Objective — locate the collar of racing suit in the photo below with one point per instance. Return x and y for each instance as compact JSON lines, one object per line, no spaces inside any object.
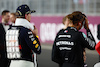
{"x":24,"y":22}
{"x":72,"y":28}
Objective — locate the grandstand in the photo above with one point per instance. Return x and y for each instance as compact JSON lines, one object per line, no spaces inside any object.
{"x":54,"y":7}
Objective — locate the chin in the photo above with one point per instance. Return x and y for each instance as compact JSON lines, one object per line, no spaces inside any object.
{"x":29,"y":20}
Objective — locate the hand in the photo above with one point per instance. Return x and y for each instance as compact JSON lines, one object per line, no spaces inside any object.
{"x":35,"y":31}
{"x":86,"y":26}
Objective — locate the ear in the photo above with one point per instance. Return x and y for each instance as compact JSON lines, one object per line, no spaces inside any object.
{"x":80,"y":23}
{"x":25,"y":16}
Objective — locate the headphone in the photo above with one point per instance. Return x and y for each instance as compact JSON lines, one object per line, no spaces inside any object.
{"x":80,"y":24}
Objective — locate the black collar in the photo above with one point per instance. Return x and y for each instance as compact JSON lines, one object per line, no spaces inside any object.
{"x":73,"y":28}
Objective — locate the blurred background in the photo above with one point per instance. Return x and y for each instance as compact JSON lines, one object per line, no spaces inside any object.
{"x":54,"y":7}
{"x":48,"y":20}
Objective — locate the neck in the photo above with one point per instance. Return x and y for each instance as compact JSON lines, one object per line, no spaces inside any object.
{"x":23,"y":22}
{"x":3,"y":21}
{"x":65,"y":26}
{"x":13,"y":22}
{"x":71,"y":25}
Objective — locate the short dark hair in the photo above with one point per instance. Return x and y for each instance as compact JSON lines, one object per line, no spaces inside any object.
{"x":77,"y":16}
{"x":4,"y":12}
{"x":77,"y":12}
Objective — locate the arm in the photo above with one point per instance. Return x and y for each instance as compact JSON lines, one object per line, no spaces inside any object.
{"x":55,"y":52}
{"x":32,"y":41}
{"x":35,"y":31}
{"x":88,"y":41}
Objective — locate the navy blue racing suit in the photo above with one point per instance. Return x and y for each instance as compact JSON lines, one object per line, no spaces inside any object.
{"x":22,"y":44}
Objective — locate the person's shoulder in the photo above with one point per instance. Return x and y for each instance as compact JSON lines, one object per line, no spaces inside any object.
{"x":77,"y":33}
{"x":80,"y":33}
{"x":61,"y":30}
{"x":0,"y":24}
{"x":24,"y":30}
{"x":98,"y":25}
{"x":21,"y":28}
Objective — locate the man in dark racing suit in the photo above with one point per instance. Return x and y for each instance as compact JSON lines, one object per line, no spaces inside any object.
{"x":69,"y":43}
{"x":22,"y":44}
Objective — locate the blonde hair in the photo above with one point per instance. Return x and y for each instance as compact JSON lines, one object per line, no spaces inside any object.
{"x":64,"y":18}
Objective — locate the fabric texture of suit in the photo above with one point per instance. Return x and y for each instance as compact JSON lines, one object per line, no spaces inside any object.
{"x":3,"y":58}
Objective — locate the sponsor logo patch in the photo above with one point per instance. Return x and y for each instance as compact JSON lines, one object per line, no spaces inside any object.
{"x":37,"y":45}
{"x":65,"y":31}
{"x":34,"y":42}
{"x":68,"y":36}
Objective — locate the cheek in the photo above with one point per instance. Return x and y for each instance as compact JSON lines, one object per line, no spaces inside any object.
{"x":66,"y":22}
{"x":8,"y":17}
{"x":30,"y":16}
{"x":12,"y":18}
{"x":4,"y":17}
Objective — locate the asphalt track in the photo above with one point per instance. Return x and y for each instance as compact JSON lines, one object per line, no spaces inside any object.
{"x":44,"y":59}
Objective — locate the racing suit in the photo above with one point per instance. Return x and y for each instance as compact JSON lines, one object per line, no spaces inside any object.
{"x":21,"y":46}
{"x":68,"y":47}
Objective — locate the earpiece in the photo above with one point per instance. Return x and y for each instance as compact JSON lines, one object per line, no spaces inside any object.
{"x":80,"y":24}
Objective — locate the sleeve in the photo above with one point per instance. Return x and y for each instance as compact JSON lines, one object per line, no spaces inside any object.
{"x":98,"y":31}
{"x":32,"y":41}
{"x":97,"y":47}
{"x":88,"y":42}
{"x":55,"y":52}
